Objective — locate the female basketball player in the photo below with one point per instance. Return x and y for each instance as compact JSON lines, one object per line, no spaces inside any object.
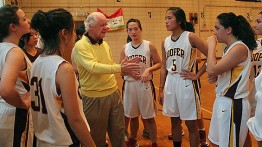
{"x":231,"y":108}
{"x":254,"y":123}
{"x":256,"y":62}
{"x":28,"y":42}
{"x":191,"y":75}
{"x":137,"y":93}
{"x":58,"y":116}
{"x":179,"y":96}
{"x":14,"y":92}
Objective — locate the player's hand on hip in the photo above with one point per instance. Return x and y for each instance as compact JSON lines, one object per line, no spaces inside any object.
{"x":187,"y":75}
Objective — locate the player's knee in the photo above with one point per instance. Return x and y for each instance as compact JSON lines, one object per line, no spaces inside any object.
{"x":191,"y":125}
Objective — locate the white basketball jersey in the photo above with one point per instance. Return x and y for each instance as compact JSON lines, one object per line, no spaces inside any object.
{"x":142,"y":51}
{"x":49,"y":119}
{"x":256,"y":60}
{"x":234,"y":83}
{"x":179,"y":54}
{"x":21,"y":86}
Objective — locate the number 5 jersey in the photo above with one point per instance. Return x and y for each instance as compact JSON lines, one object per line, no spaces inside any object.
{"x":180,"y":55}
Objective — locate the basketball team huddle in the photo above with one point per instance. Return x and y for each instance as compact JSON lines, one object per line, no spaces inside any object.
{"x":46,"y":101}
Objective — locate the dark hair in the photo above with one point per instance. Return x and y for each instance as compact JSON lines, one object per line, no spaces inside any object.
{"x":80,"y":31}
{"x":181,"y":19}
{"x":134,"y":20}
{"x":8,"y":15}
{"x":129,"y":39}
{"x":49,"y":24}
{"x":22,"y":40}
{"x":240,"y":28}
{"x":190,"y":27}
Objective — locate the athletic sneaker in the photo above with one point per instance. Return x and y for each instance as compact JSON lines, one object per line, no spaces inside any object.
{"x":127,"y":139}
{"x":154,"y":145}
{"x":146,"y":134}
{"x":206,"y":144}
{"x":127,"y":143}
{"x":170,"y":135}
{"x":202,"y":137}
{"x":126,"y":136}
{"x":133,"y":142}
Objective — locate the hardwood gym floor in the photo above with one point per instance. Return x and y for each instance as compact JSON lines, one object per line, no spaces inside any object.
{"x":163,"y":122}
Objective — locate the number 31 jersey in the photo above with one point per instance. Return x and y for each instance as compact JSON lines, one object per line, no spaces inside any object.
{"x":49,"y":119}
{"x":180,"y":55}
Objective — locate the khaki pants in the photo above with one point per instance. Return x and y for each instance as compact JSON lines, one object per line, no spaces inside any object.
{"x":105,"y":114}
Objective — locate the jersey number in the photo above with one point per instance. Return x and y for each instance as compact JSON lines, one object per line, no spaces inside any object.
{"x":39,"y":94}
{"x":174,"y":65}
{"x":257,"y":69}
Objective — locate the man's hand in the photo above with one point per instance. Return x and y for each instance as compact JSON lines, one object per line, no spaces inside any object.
{"x":133,"y":60}
{"x":131,"y":67}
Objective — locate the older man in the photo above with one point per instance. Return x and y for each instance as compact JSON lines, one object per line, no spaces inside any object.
{"x":101,"y":99}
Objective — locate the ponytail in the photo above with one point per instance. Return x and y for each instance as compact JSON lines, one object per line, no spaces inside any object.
{"x":241,"y":29}
{"x":49,"y":24}
{"x":189,"y":27}
{"x":128,"y":39}
{"x":181,"y":19}
{"x":246,"y":33}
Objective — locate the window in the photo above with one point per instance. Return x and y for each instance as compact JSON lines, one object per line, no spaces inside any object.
{"x":1,"y":3}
